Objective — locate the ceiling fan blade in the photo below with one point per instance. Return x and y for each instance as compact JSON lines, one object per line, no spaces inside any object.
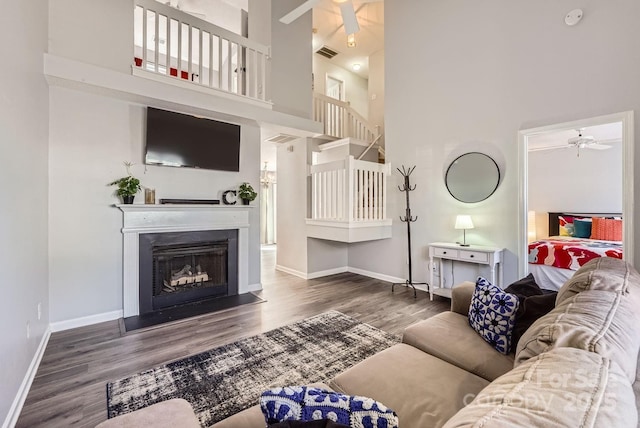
{"x":597,"y":147}
{"x":542,"y":149}
{"x":298,"y":11}
{"x":349,"y":18}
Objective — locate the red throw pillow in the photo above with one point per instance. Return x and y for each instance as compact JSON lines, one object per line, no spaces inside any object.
{"x":606,"y":229}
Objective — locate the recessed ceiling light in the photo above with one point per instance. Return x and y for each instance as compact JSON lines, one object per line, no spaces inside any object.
{"x":356,"y":67}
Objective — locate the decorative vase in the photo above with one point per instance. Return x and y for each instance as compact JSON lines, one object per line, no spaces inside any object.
{"x":245,"y":201}
{"x":128,"y":199}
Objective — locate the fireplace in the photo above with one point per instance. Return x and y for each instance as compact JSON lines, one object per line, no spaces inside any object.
{"x":156,"y":220}
{"x":184,"y":267}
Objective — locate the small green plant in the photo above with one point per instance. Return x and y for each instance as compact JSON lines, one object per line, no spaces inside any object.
{"x":127,"y":186}
{"x":246,"y":192}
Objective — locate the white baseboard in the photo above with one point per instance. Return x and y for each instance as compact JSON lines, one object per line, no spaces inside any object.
{"x":328,"y":272}
{"x":84,"y":321}
{"x":383,"y":277}
{"x":25,"y":386}
{"x":374,"y":275}
{"x":291,"y":271}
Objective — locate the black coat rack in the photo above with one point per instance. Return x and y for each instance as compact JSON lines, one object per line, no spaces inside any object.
{"x":408,"y":218}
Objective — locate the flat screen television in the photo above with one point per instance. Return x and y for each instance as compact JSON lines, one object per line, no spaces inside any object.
{"x":181,"y":140}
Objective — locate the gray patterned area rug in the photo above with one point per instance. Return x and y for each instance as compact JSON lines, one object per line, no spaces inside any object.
{"x":223,"y":381}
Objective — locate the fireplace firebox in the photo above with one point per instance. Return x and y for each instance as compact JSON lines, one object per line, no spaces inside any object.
{"x":184,"y":267}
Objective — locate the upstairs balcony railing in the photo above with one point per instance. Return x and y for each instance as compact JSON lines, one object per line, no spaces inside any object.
{"x":349,"y":190}
{"x":341,"y":120}
{"x":172,"y":43}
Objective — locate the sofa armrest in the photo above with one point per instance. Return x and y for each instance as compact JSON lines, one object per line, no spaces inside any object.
{"x":461,"y":297}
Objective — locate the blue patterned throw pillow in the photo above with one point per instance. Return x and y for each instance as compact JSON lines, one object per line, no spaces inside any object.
{"x":302,"y":403}
{"x":492,"y":314}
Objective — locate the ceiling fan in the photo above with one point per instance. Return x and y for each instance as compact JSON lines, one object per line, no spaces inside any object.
{"x":578,"y":142}
{"x":347,"y":10}
{"x":586,"y":142}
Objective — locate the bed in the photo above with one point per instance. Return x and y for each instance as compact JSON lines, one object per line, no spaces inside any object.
{"x":574,"y":239}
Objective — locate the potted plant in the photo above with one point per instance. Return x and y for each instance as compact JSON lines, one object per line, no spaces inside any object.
{"x":246,"y":193}
{"x":127,"y":186}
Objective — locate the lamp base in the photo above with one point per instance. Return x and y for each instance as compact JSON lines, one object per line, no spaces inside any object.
{"x":463,"y":245}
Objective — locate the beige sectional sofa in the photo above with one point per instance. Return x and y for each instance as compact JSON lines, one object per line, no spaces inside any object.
{"x":574,"y":367}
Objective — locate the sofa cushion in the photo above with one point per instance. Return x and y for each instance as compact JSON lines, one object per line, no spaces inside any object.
{"x":461,"y":297}
{"x":492,"y":314}
{"x":564,"y":387}
{"x":602,"y":319}
{"x":602,"y":273}
{"x":449,"y":337}
{"x":534,"y":303}
{"x":524,"y":287}
{"x":424,"y":390}
{"x":165,"y":414}
{"x":302,"y":403}
{"x":530,"y":310}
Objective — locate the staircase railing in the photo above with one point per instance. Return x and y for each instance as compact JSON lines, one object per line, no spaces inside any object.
{"x":349,"y":190}
{"x":173,"y":43}
{"x":341,"y":120}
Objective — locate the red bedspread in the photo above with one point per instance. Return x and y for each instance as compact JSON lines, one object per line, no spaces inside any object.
{"x":571,"y":253}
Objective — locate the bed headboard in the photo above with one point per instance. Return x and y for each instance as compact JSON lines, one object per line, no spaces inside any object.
{"x":554,"y":226}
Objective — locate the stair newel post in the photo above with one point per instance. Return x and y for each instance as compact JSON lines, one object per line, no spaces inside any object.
{"x":408,"y":218}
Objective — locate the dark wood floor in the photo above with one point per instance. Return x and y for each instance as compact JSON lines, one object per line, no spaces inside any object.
{"x":69,"y":389}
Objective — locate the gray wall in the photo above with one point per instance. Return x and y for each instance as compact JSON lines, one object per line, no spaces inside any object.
{"x":560,"y":181}
{"x":291,"y":60}
{"x":24,"y":108}
{"x":467,"y":76}
{"x":98,"y":32}
{"x":292,"y":207}
{"x":376,"y":89}
{"x":91,"y":136}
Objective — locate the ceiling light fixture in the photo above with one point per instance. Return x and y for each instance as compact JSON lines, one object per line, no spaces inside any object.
{"x":356,"y":67}
{"x":351,"y":41}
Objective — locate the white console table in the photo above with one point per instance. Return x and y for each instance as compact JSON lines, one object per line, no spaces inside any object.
{"x":472,"y":254}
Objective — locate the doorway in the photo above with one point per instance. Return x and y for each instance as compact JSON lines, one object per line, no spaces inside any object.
{"x":570,"y":131}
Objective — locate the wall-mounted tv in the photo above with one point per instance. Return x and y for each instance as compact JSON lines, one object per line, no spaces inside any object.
{"x":175,"y":139}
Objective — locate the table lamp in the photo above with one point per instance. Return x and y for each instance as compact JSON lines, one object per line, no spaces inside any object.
{"x":464,"y":222}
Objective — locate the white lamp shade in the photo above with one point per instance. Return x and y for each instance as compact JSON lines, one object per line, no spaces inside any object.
{"x":464,"y":222}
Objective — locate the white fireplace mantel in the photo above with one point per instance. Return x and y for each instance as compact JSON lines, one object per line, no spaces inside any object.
{"x":142,"y":218}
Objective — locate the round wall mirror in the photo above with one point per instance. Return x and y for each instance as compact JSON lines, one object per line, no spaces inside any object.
{"x":472,"y":177}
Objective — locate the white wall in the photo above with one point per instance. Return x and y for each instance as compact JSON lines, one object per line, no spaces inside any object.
{"x":23,"y":185}
{"x":260,"y":31}
{"x":376,"y":89}
{"x":291,"y":60}
{"x":484,"y":71}
{"x":560,"y":181}
{"x":292,"y":206}
{"x":98,"y":32}
{"x":326,"y":256}
{"x":90,"y":137}
{"x":355,"y":87}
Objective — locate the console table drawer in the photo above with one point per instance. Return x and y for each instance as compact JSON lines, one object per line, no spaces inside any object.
{"x":445,"y":252}
{"x":474,"y":256}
